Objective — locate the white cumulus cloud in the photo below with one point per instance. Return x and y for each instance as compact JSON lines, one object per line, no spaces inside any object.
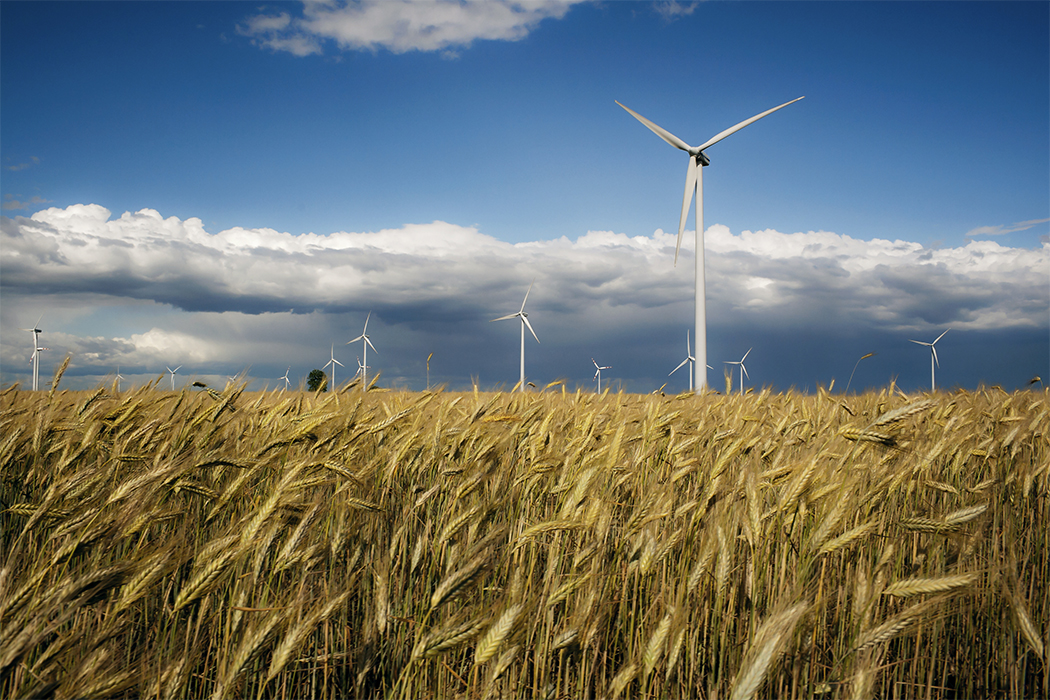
{"x":401,"y":25}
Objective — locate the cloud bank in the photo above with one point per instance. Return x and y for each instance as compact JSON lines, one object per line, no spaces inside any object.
{"x":421,"y":273}
{"x":400,"y":26}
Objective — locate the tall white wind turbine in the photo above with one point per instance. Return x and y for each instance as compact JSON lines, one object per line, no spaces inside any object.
{"x":694,"y":180}
{"x":933,"y":359}
{"x":598,"y":374}
{"x":743,"y":370}
{"x":365,"y":344}
{"x":524,"y":322}
{"x":173,"y":371}
{"x":118,"y":379}
{"x":333,"y":362}
{"x":287,"y":381}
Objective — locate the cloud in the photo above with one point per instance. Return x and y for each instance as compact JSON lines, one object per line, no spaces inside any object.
{"x":13,"y":204}
{"x":33,"y":160}
{"x":401,"y":26}
{"x":1003,"y":229}
{"x":423,"y":274}
{"x":671,"y":10}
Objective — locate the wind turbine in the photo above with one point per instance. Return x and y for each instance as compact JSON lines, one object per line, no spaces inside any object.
{"x":743,"y":370}
{"x":333,"y":362}
{"x":933,"y":359}
{"x":524,"y":322}
{"x":428,"y":370}
{"x":361,"y":368}
{"x":287,"y":381}
{"x":365,"y":344}
{"x":118,"y":379}
{"x":35,"y":358}
{"x":688,"y":359}
{"x":598,"y":374}
{"x":173,"y":371}
{"x":694,"y":179}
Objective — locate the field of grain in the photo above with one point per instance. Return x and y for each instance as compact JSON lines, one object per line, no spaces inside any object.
{"x":468,"y":545}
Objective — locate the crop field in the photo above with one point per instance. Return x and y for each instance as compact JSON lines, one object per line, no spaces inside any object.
{"x":542,"y":545}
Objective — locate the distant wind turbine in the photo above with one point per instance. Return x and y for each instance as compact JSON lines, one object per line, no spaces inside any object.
{"x":287,"y":381}
{"x":694,"y":180}
{"x":689,"y":359}
{"x":428,"y":370}
{"x":598,"y":374}
{"x":35,"y":358}
{"x":333,"y":362}
{"x":933,"y":359}
{"x":118,"y":379}
{"x":524,"y":322}
{"x":365,"y":344}
{"x":743,"y":370}
{"x":173,"y":371}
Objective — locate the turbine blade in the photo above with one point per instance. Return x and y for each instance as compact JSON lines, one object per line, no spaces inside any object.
{"x":596,"y":373}
{"x":918,"y":342}
{"x":526,"y":298}
{"x":370,"y":344}
{"x":938,"y":362}
{"x":177,"y":368}
{"x":688,"y":352}
{"x":338,"y":362}
{"x":366,"y":323}
{"x":504,"y":318}
{"x":687,"y":199}
{"x":733,"y":129}
{"x":939,"y":337}
{"x":678,"y":367}
{"x":746,"y":354}
{"x":745,"y":370}
{"x":525,"y":320}
{"x":659,"y":131}
{"x":355,"y":339}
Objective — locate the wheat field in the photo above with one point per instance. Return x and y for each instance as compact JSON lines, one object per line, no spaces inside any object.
{"x":547,"y":545}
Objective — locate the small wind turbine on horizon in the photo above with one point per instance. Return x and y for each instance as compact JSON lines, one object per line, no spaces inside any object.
{"x":743,"y":370}
{"x":933,"y":359}
{"x":365,"y":344}
{"x":35,"y":357}
{"x":361,"y":368}
{"x":524,"y":323}
{"x":118,"y":379}
{"x":689,"y":359}
{"x":333,"y":362}
{"x":598,"y":374}
{"x":694,"y":180}
{"x":287,"y":381}
{"x":173,"y":371}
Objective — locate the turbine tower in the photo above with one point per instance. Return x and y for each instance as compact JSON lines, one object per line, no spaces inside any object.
{"x":743,"y":370}
{"x":694,"y":180}
{"x":933,"y":359}
{"x":524,"y":322}
{"x":365,"y":344}
{"x":598,"y":374}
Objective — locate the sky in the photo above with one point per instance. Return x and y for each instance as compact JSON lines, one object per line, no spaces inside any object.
{"x":232,"y":188}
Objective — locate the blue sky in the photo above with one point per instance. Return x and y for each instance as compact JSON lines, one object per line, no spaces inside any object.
{"x":428,"y":161}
